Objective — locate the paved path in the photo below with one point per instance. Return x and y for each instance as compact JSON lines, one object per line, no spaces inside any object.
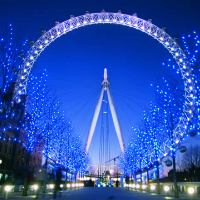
{"x":100,"y":194}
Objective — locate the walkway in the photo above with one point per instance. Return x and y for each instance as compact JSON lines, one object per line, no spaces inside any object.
{"x":100,"y":194}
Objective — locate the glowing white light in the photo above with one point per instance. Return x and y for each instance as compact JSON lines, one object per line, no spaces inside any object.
{"x":155,"y":34}
{"x":31,"y":58}
{"x":177,"y":54}
{"x":166,"y":188}
{"x":190,"y":111}
{"x":51,"y":186}
{"x":114,"y":20}
{"x":78,"y":24}
{"x":68,"y":185}
{"x":35,"y":187}
{"x":142,"y":27}
{"x":19,"y":91}
{"x":52,"y":37}
{"x":35,"y":52}
{"x":22,"y":77}
{"x":167,"y":43}
{"x":172,"y":49}
{"x":191,"y":88}
{"x":149,"y":30}
{"x":71,"y":26}
{"x":40,"y":46}
{"x":129,"y":22}
{"x":165,"y":154}
{"x":121,"y":20}
{"x":92,"y":21}
{"x":137,"y":186}
{"x":191,"y":103}
{"x":180,"y":60}
{"x":7,"y":188}
{"x":99,"y":20}
{"x":85,"y":22}
{"x":177,"y":141}
{"x":20,"y":85}
{"x":61,"y":185}
{"x":46,"y":41}
{"x":25,"y":70}
{"x":27,"y":64}
{"x":187,"y":74}
{"x":73,"y":185}
{"x":144,"y":187}
{"x":191,"y":95}
{"x":184,"y":67}
{"x":19,"y":100}
{"x":191,"y":190}
{"x":161,"y":38}
{"x":107,"y":20}
{"x":58,"y":32}
{"x":189,"y":81}
{"x":153,"y":187}
{"x":77,"y":184}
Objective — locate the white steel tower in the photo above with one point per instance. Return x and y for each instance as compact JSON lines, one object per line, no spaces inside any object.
{"x":105,"y":88}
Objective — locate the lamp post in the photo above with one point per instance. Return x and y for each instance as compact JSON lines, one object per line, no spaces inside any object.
{"x":191,"y":192}
{"x":7,"y":189}
{"x":166,"y":189}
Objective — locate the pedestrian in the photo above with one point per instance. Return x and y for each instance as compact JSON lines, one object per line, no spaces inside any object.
{"x":57,"y":183}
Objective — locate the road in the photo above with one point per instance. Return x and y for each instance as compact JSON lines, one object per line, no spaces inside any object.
{"x":99,"y":194}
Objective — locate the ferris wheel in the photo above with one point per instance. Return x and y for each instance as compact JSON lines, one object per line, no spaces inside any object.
{"x":118,"y":18}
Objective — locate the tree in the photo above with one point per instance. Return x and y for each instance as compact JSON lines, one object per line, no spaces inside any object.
{"x":153,"y":128}
{"x":11,"y":55}
{"x":191,"y":44}
{"x":170,"y":101}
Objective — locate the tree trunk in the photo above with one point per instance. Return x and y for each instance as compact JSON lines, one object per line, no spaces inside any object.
{"x":158,"y":177}
{"x":26,"y":174}
{"x":148,"y":186}
{"x":174,"y":176}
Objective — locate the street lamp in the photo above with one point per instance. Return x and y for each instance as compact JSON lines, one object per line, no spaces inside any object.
{"x":51,"y":187}
{"x":35,"y":187}
{"x":7,"y":189}
{"x":166,"y":188}
{"x":191,"y":192}
{"x":153,"y":187}
{"x":144,"y":187}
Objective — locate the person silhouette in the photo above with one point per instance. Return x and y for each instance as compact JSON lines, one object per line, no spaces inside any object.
{"x":57,"y":182}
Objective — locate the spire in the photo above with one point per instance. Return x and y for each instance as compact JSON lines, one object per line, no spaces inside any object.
{"x":105,"y":82}
{"x":105,"y":74}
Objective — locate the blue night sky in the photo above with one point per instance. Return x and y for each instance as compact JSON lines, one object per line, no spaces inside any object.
{"x":75,"y":61}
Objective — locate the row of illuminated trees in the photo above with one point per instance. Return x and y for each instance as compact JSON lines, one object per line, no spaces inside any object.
{"x":156,"y":132}
{"x":38,"y":121}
